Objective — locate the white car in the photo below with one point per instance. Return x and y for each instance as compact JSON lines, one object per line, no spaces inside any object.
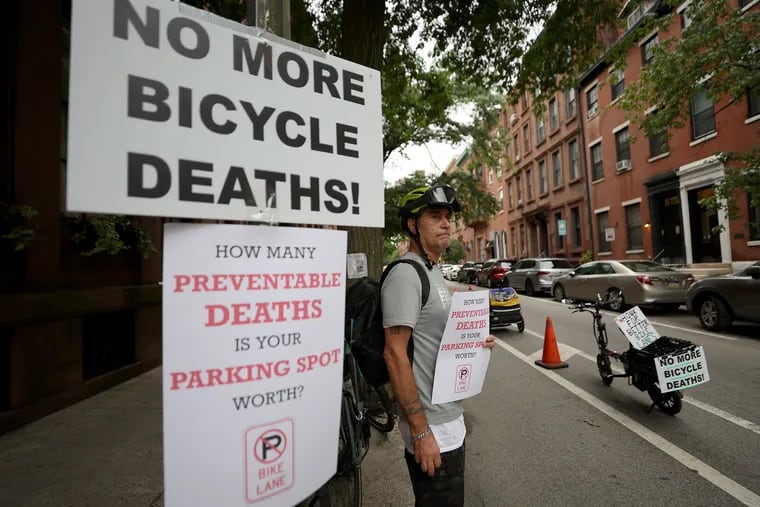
{"x":452,"y":272}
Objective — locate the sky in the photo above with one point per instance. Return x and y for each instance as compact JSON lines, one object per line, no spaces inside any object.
{"x":431,"y":157}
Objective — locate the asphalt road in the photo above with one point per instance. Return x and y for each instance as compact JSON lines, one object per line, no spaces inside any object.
{"x":561,"y":437}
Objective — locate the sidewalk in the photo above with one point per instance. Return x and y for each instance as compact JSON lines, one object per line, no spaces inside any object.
{"x":107,"y":451}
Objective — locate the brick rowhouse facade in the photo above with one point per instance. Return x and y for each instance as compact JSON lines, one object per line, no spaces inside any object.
{"x":629,"y":197}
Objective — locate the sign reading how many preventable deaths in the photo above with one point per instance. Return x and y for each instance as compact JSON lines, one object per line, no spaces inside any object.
{"x":176,"y":112}
{"x":253,"y":362}
{"x":462,"y":362}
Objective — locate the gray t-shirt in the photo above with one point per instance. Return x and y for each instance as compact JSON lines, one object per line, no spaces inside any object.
{"x":401,"y":299}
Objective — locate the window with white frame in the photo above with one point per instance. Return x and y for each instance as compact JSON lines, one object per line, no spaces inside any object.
{"x":510,"y":202}
{"x":702,"y":114}
{"x":602,"y":223}
{"x":570,"y":103}
{"x":540,"y":133}
{"x":575,"y":214}
{"x":753,"y":215}
{"x":518,"y":183}
{"x":526,"y":137}
{"x":658,"y":141}
{"x":753,"y":101}
{"x":597,"y":168}
{"x":557,"y":168}
{"x":618,"y":83}
{"x":683,"y":13}
{"x":553,"y":120}
{"x":542,"y":177}
{"x":623,"y":149}
{"x":501,"y":199}
{"x":529,"y":183}
{"x":592,"y":99}
{"x":516,"y":146}
{"x":633,"y":227}
{"x":560,"y":238}
{"x":572,"y":155}
{"x":647,"y":50}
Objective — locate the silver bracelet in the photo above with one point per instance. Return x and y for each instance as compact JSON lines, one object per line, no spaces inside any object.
{"x":422,"y":435}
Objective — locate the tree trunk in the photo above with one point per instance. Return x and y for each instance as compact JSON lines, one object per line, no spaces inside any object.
{"x":363,"y":39}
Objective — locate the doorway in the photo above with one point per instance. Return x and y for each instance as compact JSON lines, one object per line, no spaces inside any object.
{"x":705,"y":239}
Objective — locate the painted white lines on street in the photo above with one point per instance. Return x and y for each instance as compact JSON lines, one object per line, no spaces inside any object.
{"x":566,"y":351}
{"x":728,"y":485}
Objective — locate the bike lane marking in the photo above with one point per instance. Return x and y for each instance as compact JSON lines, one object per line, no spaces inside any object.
{"x":566,"y":351}
{"x":723,"y":482}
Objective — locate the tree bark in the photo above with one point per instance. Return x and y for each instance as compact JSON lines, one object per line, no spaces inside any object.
{"x":362,"y":42}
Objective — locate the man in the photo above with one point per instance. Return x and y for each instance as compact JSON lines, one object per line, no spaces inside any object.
{"x":434,"y":434}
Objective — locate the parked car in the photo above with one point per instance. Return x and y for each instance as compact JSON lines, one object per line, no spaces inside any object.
{"x":468,"y":272}
{"x":452,"y":273}
{"x":718,"y":300}
{"x":445,"y":269}
{"x":536,"y":274}
{"x":493,"y":271}
{"x":625,"y":282}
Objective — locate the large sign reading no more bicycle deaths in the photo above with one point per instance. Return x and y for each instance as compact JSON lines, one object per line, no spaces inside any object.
{"x":174,"y":111}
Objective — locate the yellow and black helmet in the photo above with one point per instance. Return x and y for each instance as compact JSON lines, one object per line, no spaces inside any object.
{"x":437,"y":196}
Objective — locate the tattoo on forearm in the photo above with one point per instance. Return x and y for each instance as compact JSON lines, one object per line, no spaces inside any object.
{"x":396,"y":330}
{"x":411,"y":407}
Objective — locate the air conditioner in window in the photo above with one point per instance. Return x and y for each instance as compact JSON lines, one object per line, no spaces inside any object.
{"x":623,"y":165}
{"x":513,"y":118}
{"x":593,"y":110}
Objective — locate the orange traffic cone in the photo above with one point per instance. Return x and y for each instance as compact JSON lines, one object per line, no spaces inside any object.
{"x":550,"y":357}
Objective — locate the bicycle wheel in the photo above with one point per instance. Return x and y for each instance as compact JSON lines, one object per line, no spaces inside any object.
{"x":379,"y":406}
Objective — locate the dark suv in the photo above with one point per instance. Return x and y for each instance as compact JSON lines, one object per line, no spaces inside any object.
{"x":718,"y":300}
{"x":469,"y":272}
{"x":493,"y":271}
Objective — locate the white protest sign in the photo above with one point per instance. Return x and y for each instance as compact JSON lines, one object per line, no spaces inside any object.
{"x":682,"y":370}
{"x":252,"y":362}
{"x":177,"y":112}
{"x":462,"y":362}
{"x":637,"y":328}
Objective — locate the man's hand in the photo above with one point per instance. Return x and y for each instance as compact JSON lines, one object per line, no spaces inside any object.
{"x":427,"y":454}
{"x":490,"y":342}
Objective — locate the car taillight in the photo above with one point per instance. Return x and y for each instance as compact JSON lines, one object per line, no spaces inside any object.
{"x":647,"y":280}
{"x":543,"y":273}
{"x":690,"y":278}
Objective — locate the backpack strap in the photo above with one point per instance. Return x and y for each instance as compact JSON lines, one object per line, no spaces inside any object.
{"x":425,"y":294}
{"x":420,"y":271}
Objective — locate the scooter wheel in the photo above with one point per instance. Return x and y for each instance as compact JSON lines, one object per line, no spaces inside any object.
{"x":670,"y":403}
{"x":604,"y":367}
{"x":521,"y":326}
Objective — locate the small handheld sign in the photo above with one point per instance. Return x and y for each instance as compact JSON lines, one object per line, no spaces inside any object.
{"x":637,"y":328}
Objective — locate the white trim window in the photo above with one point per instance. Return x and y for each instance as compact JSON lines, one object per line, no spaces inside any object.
{"x":592,"y":100}
{"x":702,"y":114}
{"x":572,"y":156}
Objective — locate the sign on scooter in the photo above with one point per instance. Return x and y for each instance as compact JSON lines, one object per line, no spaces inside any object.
{"x":637,"y":328}
{"x":681,"y":370}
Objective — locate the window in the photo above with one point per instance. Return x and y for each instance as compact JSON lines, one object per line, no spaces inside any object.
{"x":501,"y":199}
{"x":557,"y":168}
{"x":683,"y":12}
{"x":526,"y":137}
{"x":572,"y":155}
{"x":592,"y":99}
{"x":633,"y":227}
{"x":553,"y":123}
{"x":542,"y":187}
{"x":523,"y":246}
{"x":514,"y":241}
{"x":753,"y":213}
{"x":510,"y":203}
{"x":570,"y":103}
{"x":623,"y":149}
{"x":529,"y":183}
{"x":753,"y":101}
{"x":618,"y":83}
{"x":658,"y":142}
{"x":516,"y":145}
{"x":744,"y":3}
{"x":575,"y":214}
{"x":490,"y":176}
{"x":647,"y":50}
{"x":499,"y":170}
{"x":560,"y":239}
{"x":702,"y":115}
{"x":518,"y":182}
{"x":597,"y":169}
{"x":602,"y":223}
{"x":540,"y":134}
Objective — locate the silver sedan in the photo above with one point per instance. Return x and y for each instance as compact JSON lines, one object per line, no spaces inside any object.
{"x":625,"y":282}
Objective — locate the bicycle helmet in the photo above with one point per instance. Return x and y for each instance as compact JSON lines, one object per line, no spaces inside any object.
{"x":437,"y":196}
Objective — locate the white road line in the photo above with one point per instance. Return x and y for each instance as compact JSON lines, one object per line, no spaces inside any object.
{"x":566,"y":351}
{"x":728,"y":485}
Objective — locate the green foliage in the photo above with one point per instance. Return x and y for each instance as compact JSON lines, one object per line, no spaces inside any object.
{"x":390,"y":251}
{"x":109,"y":234}
{"x":455,"y":253}
{"x":587,"y":256}
{"x":14,"y":225}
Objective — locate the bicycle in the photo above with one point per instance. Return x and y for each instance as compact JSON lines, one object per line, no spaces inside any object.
{"x":638,"y":364}
{"x":379,"y":406}
{"x":345,"y":487}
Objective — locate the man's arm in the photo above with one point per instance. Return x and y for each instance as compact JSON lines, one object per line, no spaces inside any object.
{"x":426,"y":450}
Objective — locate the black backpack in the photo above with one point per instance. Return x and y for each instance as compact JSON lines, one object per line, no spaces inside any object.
{"x":364,"y":323}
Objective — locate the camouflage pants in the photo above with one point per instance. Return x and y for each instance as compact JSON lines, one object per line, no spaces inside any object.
{"x":445,"y":488}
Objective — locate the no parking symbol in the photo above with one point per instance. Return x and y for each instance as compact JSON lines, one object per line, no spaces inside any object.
{"x":268,"y":459}
{"x":462,"y":380}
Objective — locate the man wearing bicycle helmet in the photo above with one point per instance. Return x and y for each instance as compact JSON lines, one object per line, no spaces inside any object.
{"x":434,"y":434}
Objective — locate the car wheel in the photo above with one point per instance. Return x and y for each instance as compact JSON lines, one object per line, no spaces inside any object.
{"x":714,"y":314}
{"x":529,"y":289}
{"x":490,"y":283}
{"x":615,"y":300}
{"x":559,"y":293}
